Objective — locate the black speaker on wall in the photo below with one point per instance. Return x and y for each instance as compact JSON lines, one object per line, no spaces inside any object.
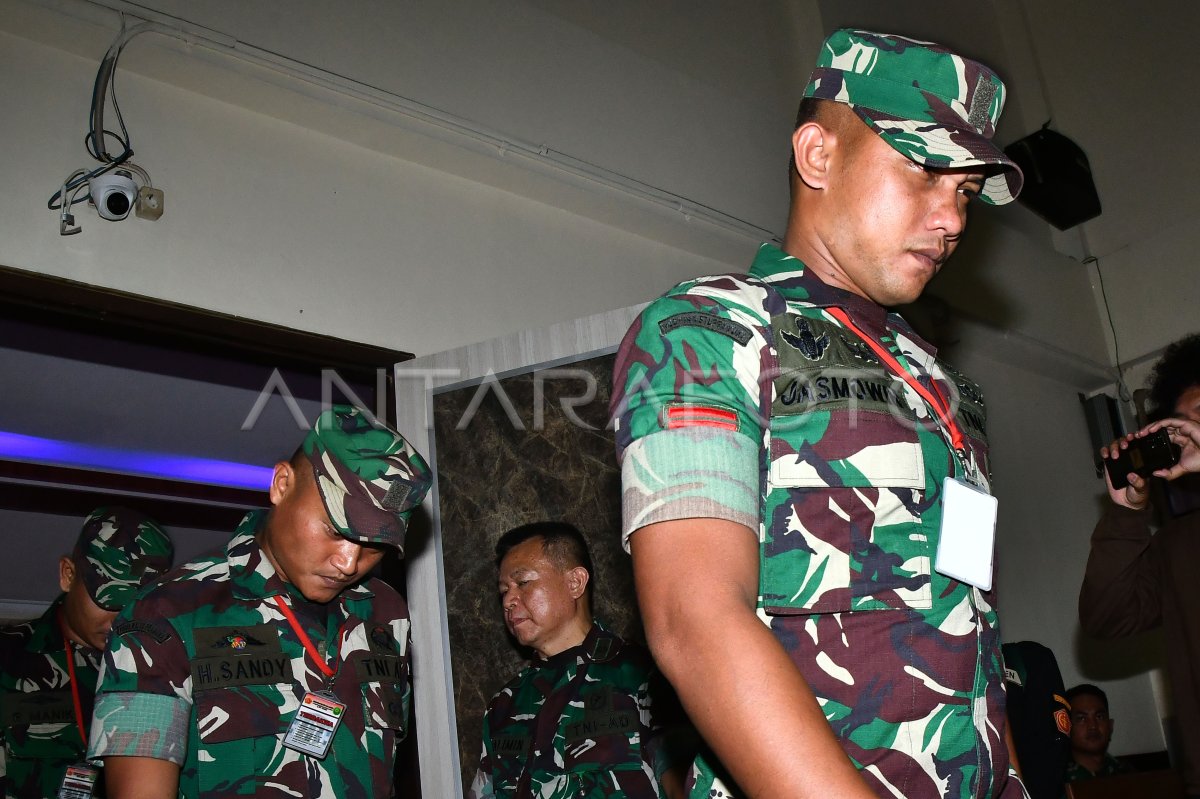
{"x":1104,"y":424}
{"x":1058,"y":178}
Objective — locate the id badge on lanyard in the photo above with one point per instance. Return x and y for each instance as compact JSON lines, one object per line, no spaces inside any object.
{"x":78,"y":782}
{"x":314,"y":725}
{"x":968,"y":533}
{"x":317,"y":720}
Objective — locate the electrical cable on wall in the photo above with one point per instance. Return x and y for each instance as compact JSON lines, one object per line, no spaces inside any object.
{"x":118,"y":185}
{"x":1122,"y":389}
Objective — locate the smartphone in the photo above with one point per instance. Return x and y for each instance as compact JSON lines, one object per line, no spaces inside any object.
{"x":1145,"y":456}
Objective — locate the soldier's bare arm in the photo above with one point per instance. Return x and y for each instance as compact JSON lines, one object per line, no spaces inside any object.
{"x":140,"y":778}
{"x":697,"y":584}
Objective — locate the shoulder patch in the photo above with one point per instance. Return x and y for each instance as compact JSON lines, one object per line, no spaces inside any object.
{"x":706,"y":321}
{"x":133,"y":626}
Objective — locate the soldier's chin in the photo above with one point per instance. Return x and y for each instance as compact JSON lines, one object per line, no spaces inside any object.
{"x":321,"y":594}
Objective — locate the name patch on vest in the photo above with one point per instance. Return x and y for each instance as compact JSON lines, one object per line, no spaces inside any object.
{"x":218,"y":672}
{"x":601,"y":717}
{"x":380,"y":668}
{"x":822,"y":368}
{"x":233,"y":656}
{"x":595,"y":725}
{"x":38,"y":707}
{"x":510,"y":745}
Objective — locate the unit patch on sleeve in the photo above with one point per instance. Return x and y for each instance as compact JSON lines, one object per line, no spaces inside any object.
{"x":134,"y":626}
{"x":678,"y":415}
{"x":707,"y":321}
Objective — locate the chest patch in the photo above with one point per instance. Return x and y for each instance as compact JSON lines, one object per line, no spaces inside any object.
{"x":379,"y":668}
{"x":510,"y":745}
{"x":601,"y":717}
{"x":233,"y":656}
{"x":821,"y":369}
{"x":38,"y":707}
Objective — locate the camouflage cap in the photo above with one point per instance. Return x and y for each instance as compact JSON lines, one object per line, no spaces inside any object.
{"x":935,"y":107}
{"x":369,"y":477}
{"x":118,"y":550}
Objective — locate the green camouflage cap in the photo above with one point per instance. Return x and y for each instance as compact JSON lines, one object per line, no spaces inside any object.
{"x":369,"y":477}
{"x":935,"y":107}
{"x":118,"y":550}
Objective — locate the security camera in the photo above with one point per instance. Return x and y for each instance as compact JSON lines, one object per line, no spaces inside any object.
{"x":113,"y":194}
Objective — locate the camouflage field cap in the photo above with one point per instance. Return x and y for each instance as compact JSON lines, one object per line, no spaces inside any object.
{"x":935,"y":107}
{"x":118,"y":550}
{"x":369,"y":477}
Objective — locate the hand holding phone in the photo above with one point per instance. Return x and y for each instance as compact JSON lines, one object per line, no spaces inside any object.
{"x":1144,"y":456}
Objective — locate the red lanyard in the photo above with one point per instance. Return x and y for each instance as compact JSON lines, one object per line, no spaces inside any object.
{"x":932,"y":398}
{"x":70,"y":653}
{"x":307,"y":642}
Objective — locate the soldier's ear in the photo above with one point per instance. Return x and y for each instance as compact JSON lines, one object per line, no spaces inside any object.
{"x":577,"y":580}
{"x":66,"y":573}
{"x":812,"y":146}
{"x":283,"y":480}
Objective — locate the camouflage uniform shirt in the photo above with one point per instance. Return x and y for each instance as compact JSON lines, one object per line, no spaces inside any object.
{"x":1110,"y":768}
{"x":40,"y":735}
{"x":205,"y":671}
{"x":741,"y":397}
{"x":575,"y":725}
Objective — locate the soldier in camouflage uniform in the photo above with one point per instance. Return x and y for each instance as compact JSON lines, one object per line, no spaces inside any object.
{"x":576,"y":723}
{"x":48,"y":666}
{"x":785,"y":445}
{"x":1091,"y":733}
{"x":276,"y":667}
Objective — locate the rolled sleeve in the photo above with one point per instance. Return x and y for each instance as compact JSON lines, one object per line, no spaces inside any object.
{"x":689,"y":473}
{"x":127,"y":724}
{"x":690,"y":403}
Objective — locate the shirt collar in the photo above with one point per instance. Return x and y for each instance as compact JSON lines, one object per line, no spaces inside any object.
{"x":597,"y":646}
{"x":789,"y":276}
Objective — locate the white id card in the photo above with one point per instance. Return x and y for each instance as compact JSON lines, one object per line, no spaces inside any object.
{"x":968,"y":535}
{"x":78,"y":781}
{"x":312,"y":729}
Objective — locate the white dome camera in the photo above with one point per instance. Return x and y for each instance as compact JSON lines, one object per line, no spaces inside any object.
{"x":113,"y":194}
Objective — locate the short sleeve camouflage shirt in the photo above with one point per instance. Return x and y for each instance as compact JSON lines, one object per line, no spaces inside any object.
{"x":204,"y":670}
{"x":576,"y":726}
{"x":742,"y":397}
{"x":38,"y":729}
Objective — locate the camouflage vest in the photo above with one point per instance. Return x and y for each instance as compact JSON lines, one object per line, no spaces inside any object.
{"x":573,"y":727}
{"x":38,"y":729}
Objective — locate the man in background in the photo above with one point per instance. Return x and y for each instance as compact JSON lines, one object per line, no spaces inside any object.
{"x":1091,"y":733}
{"x":790,"y":450}
{"x":48,"y":666}
{"x":582,"y":719}
{"x":278,"y":666}
{"x":1137,"y":579}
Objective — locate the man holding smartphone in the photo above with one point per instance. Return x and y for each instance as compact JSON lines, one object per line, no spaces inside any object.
{"x":1137,"y":580}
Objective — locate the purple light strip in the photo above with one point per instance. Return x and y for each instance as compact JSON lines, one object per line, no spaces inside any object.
{"x":146,"y":464}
